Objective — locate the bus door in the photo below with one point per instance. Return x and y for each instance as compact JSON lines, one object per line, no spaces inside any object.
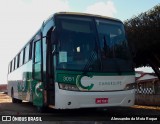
{"x":50,"y":70}
{"x":37,"y":74}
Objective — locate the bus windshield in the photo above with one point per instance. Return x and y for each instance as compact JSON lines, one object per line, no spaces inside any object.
{"x":115,"y":54}
{"x":87,"y":44}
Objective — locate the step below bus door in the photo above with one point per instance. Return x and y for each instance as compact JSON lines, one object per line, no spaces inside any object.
{"x":51,"y":94}
{"x":37,"y":83}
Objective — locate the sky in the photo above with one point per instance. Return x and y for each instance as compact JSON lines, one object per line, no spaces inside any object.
{"x":20,"y":19}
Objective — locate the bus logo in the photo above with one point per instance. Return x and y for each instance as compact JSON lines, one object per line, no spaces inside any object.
{"x":37,"y":87}
{"x":81,"y":86}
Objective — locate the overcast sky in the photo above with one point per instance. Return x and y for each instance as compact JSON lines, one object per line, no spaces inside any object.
{"x":20,"y":19}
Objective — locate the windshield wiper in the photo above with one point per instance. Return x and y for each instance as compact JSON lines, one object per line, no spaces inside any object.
{"x":90,"y":60}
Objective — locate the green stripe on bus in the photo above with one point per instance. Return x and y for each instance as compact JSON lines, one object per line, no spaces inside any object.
{"x":70,"y":77}
{"x":94,"y":73}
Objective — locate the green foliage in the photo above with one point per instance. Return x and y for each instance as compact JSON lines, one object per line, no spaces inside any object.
{"x":143,"y":32}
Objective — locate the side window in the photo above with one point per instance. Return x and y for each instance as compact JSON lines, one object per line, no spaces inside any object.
{"x":26,"y":54}
{"x":37,"y":52}
{"x":30,"y":50}
{"x":15,"y":62}
{"x":13,"y":65}
{"x":24,"y":50}
{"x":21,"y":58}
{"x":16,"y":66}
{"x":18,"y":60}
{"x":37,"y":61}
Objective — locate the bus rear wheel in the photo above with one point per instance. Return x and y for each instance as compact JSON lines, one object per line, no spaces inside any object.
{"x":14,"y":100}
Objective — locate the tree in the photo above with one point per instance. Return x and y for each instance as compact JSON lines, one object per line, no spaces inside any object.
{"x":143,"y":33}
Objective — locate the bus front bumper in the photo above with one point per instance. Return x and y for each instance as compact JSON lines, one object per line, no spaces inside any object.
{"x":76,"y":99}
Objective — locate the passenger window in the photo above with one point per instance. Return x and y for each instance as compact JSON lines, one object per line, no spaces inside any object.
{"x":37,"y":61}
{"x":15,"y":62}
{"x":13,"y":65}
{"x":37,"y":52}
{"x":26,"y":54}
{"x":21,"y":59}
{"x":18,"y":60}
{"x":30,"y":50}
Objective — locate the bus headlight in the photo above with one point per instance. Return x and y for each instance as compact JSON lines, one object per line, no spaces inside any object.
{"x":130,"y":86}
{"x":68,"y":87}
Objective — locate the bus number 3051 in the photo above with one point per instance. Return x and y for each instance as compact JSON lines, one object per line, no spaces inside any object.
{"x":68,"y":79}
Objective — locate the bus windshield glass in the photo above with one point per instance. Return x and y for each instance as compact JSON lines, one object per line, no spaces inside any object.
{"x":96,"y":45}
{"x":77,"y":46}
{"x":115,"y":54}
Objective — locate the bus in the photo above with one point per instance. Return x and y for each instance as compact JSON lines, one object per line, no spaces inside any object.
{"x":75,"y":60}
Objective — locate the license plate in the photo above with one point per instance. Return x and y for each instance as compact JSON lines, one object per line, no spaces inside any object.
{"x":101,"y":100}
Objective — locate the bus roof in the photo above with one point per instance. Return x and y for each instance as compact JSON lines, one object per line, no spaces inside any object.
{"x":86,"y":14}
{"x":69,"y":13}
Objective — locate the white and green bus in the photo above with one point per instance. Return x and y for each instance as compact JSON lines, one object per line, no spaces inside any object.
{"x":74,"y":60}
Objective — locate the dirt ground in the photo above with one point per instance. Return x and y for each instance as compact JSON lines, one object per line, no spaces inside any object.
{"x":7,"y":107}
{"x":26,"y":108}
{"x":4,"y":98}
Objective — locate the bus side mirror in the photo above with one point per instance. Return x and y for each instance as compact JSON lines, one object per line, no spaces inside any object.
{"x":54,"y":36}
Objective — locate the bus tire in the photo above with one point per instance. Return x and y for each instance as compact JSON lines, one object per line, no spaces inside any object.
{"x":12,"y":95}
{"x":14,"y":100}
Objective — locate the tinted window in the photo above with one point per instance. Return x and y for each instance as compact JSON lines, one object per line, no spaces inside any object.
{"x":37,"y":61}
{"x":18,"y":60}
{"x":11,"y":67}
{"x":37,"y":51}
{"x":12,"y":64}
{"x":15,"y":62}
{"x":78,"y":46}
{"x":26,"y":54}
{"x":21,"y":58}
{"x":115,"y":55}
{"x":30,"y":50}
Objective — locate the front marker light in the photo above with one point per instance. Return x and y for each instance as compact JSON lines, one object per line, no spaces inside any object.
{"x":68,"y":87}
{"x":130,"y":86}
